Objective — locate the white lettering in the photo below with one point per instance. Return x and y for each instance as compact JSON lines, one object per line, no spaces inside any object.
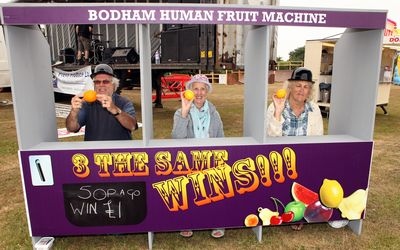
{"x":190,"y":15}
{"x":92,"y":15}
{"x":267,"y":16}
{"x":103,"y":15}
{"x":149,"y":15}
{"x":111,"y":211}
{"x":289,"y":17}
{"x":115,"y":15}
{"x":297,"y":17}
{"x":322,"y":18}
{"x":125,"y":15}
{"x":293,"y":17}
{"x":237,"y":16}
{"x":164,"y":14}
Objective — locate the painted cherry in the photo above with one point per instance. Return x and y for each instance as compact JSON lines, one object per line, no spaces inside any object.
{"x":288,"y":216}
{"x":276,"y":220}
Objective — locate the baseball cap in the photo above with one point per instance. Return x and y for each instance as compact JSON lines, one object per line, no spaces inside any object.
{"x":201,"y":79}
{"x":102,"y":69}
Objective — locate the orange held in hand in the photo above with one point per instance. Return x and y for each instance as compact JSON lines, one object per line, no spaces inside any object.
{"x":89,"y":96}
{"x":280,"y":93}
{"x":188,"y":94}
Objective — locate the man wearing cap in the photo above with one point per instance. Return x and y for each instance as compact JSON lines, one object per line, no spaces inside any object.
{"x":110,"y":117}
{"x":295,"y":114}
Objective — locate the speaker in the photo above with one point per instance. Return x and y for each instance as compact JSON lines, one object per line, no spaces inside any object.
{"x":107,"y":55}
{"x":189,"y":45}
{"x":67,"y":55}
{"x":172,"y":26}
{"x":125,"y":55}
{"x":169,"y":46}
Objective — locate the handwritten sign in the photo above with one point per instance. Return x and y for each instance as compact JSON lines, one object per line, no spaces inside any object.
{"x":100,"y":204}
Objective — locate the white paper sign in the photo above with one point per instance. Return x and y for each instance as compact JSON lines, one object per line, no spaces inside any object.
{"x":72,"y":82}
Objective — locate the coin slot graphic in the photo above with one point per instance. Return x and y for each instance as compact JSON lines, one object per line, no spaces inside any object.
{"x":39,"y":169}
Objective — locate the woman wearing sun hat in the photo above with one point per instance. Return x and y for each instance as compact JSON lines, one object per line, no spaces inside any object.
{"x":198,"y":118}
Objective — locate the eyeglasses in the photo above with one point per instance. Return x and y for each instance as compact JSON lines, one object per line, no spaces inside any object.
{"x":105,"y":82}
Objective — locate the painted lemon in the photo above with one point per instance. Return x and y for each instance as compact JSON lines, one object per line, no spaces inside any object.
{"x":89,"y":96}
{"x":188,"y":94}
{"x":280,"y":93}
{"x":331,"y":193}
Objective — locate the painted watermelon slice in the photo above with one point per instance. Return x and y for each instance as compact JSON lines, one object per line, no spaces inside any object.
{"x":303,"y":194}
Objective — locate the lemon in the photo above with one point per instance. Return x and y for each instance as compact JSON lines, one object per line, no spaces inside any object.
{"x":331,"y":193}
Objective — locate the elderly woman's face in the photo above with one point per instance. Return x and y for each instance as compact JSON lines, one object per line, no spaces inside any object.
{"x":200,"y":93}
{"x":300,"y":90}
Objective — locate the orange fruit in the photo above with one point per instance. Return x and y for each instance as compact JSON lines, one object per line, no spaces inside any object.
{"x":188,"y":94}
{"x":280,"y":93}
{"x":89,"y":96}
{"x":251,"y":220}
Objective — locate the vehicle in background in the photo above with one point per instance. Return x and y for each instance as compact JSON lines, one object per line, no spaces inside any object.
{"x":5,"y":80}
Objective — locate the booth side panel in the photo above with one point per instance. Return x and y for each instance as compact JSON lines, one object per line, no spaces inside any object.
{"x":355,"y":83}
{"x":32,"y":88}
{"x":256,"y":80}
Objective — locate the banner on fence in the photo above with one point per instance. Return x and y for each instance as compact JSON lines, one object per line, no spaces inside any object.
{"x":72,"y":82}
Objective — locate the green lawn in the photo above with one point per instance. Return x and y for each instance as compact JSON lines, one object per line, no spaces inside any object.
{"x":380,"y":228}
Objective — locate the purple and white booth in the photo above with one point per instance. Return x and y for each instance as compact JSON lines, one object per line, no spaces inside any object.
{"x":153,"y":185}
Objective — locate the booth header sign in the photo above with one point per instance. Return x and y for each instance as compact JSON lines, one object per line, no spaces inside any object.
{"x":71,"y":192}
{"x":192,"y":14}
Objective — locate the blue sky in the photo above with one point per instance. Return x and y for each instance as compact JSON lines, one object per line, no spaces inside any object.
{"x":290,"y":38}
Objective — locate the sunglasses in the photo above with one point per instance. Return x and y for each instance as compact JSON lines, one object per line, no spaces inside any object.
{"x":98,"y":82}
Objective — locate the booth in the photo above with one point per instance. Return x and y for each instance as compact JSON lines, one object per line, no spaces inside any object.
{"x":319,"y":55}
{"x":157,"y":185}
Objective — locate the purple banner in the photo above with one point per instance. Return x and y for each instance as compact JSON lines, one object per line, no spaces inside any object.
{"x":128,"y":190}
{"x":193,"y":14}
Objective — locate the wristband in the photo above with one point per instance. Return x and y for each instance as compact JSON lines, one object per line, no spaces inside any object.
{"x":118,"y":112}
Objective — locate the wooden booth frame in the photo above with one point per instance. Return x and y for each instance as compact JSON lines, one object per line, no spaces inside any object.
{"x":345,"y":152}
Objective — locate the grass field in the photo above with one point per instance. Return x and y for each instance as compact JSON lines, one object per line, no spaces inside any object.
{"x":381,"y":228}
